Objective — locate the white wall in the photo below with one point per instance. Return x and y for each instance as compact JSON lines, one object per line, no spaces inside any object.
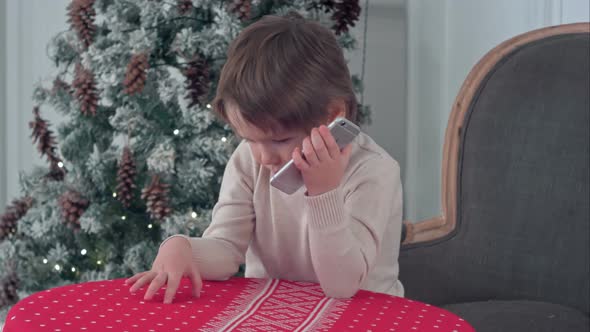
{"x":2,"y":105}
{"x":445,"y":40}
{"x":570,"y":11}
{"x":427,"y":54}
{"x":385,"y":74}
{"x":29,"y":25}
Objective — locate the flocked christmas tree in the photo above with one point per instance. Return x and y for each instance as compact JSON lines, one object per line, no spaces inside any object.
{"x":139,"y":155}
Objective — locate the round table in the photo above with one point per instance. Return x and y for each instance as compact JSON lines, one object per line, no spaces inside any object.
{"x":238,"y":304}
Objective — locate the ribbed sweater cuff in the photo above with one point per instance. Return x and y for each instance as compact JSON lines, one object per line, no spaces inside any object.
{"x":173,"y":236}
{"x":326,"y":210}
{"x":194,"y":247}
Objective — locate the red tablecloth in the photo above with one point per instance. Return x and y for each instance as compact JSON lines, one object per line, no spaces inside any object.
{"x":238,"y":304}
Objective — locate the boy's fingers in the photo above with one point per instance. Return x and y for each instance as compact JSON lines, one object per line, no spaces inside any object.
{"x":156,"y":284}
{"x":145,"y":278}
{"x":197,"y":282}
{"x":331,"y":144}
{"x":309,"y":152}
{"x":173,"y":282}
{"x":301,"y":164}
{"x":135,"y":277}
{"x":319,"y":145}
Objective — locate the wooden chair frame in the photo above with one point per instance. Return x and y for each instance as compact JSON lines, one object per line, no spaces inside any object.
{"x":439,"y":227}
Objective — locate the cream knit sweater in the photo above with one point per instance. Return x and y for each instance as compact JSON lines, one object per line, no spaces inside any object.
{"x":345,"y":239}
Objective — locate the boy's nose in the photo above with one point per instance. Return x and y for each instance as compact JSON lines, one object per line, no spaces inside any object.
{"x":268,"y":158}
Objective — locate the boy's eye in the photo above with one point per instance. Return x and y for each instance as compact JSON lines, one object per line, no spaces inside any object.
{"x":284,"y":140}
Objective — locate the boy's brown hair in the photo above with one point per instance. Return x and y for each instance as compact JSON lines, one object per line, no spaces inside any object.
{"x":282,"y":72}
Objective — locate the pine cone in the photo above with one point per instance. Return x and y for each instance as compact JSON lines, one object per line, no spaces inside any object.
{"x":72,"y":206}
{"x":46,"y":145}
{"x":156,"y":197}
{"x":136,"y":73}
{"x":43,"y":136}
{"x":13,"y":213}
{"x":8,"y":290}
{"x":346,"y":13}
{"x":126,"y":178}
{"x":197,"y":80}
{"x":241,"y":8}
{"x":85,"y":90}
{"x":184,"y":6}
{"x":82,"y":15}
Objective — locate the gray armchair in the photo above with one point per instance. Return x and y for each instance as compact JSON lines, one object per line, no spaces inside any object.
{"x":510,"y":251}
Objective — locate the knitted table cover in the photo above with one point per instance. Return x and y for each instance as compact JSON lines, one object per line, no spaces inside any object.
{"x":238,"y":304}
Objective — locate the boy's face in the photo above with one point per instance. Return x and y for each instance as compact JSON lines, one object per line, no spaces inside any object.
{"x":269,"y":150}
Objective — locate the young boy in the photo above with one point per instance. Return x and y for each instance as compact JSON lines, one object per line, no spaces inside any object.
{"x":285,"y":79}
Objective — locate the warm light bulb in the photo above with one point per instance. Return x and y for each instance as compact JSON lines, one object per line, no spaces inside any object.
{"x":150,"y":226}
{"x":57,"y":267}
{"x":44,"y":260}
{"x":223,"y":139}
{"x":114,"y":194}
{"x":83,"y":252}
{"x":194,"y":214}
{"x":176,"y":131}
{"x":98,"y":262}
{"x":60,"y":164}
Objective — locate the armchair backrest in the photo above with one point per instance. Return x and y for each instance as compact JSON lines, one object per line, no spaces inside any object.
{"x":518,"y":219}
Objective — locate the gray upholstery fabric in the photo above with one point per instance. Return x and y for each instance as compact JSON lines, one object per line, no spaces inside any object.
{"x":523,"y":220}
{"x":524,"y":316}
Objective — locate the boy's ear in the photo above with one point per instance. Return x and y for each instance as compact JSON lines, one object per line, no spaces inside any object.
{"x":336,"y":108}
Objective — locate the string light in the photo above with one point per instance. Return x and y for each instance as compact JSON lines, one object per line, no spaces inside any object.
{"x":150,"y":226}
{"x":60,"y":164}
{"x":114,"y":194}
{"x":194,"y":215}
{"x":57,"y":267}
{"x":44,"y":260}
{"x":223,"y":139}
{"x":73,"y":269}
{"x":208,"y":105}
{"x":176,"y":132}
{"x":123,"y":217}
{"x":98,"y":262}
{"x":83,"y":252}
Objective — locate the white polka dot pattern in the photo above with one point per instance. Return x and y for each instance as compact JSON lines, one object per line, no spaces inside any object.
{"x":238,"y":304}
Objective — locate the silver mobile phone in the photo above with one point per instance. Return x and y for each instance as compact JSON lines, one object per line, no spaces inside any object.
{"x":288,"y":179}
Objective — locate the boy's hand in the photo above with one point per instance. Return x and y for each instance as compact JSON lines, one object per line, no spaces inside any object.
{"x":174,"y":261}
{"x":324,"y":163}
